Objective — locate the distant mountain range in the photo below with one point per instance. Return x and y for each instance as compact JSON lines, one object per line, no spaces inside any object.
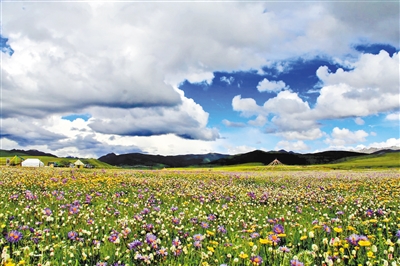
{"x":210,"y":159}
{"x":138,"y":159}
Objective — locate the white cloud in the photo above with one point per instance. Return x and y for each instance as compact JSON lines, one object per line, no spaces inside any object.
{"x":359,"y":121}
{"x":274,"y":86}
{"x":291,"y":146}
{"x":259,"y":121}
{"x":342,"y":137}
{"x":393,"y":117}
{"x":233,"y":124}
{"x":229,"y":80}
{"x":371,"y":87}
{"x":121,"y":62}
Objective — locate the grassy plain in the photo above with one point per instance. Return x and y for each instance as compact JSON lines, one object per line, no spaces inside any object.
{"x":61,"y":216}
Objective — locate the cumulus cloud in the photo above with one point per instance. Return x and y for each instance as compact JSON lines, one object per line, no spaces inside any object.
{"x":361,"y":91}
{"x":393,"y":117}
{"x":229,"y":80}
{"x":342,"y":137}
{"x":228,"y":123}
{"x":121,"y":63}
{"x":359,"y":121}
{"x":372,"y":82}
{"x":291,"y":146}
{"x":274,"y":86}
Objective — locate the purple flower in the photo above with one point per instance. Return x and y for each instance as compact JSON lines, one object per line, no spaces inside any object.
{"x":176,"y":242}
{"x":197,"y":244}
{"x":176,"y":221}
{"x":369,"y":213}
{"x":72,"y":235}
{"x":113,"y":237}
{"x":256,"y":260}
{"x":204,"y":225}
{"x":162,"y":252}
{"x":254,"y":235}
{"x":353,"y":239}
{"x":150,"y":238}
{"x":74,"y":209}
{"x":14,"y":236}
{"x":274,"y":238}
{"x":278,"y":229}
{"x":47,"y":211}
{"x":221,"y":229}
{"x":198,"y":237}
{"x":284,"y":249}
{"x":398,"y":234}
{"x":296,"y":263}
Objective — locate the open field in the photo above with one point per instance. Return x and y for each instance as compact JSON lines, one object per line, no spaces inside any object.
{"x":61,"y":216}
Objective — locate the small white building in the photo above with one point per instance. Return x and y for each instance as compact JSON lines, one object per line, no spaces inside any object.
{"x":32,"y":163}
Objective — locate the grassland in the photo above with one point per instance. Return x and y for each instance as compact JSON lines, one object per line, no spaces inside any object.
{"x":64,"y":216}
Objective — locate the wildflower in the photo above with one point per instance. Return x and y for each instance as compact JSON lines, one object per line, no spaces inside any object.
{"x":73,"y":209}
{"x":254,"y":235}
{"x":364,"y":243}
{"x":221,"y":229}
{"x":256,"y":260}
{"x":198,"y":237}
{"x":113,"y":238}
{"x":243,"y":255}
{"x":303,"y":237}
{"x":274,"y":238}
{"x":296,"y":263}
{"x":398,"y":234}
{"x":162,"y":252}
{"x":47,"y":211}
{"x":135,"y":244}
{"x":197,"y":244}
{"x":369,"y":212}
{"x":176,"y":221}
{"x":353,"y":239}
{"x":72,"y":235}
{"x":284,"y":249}
{"x":14,"y":236}
{"x":176,"y":242}
{"x":204,"y":225}
{"x":338,"y":229}
{"x":327,"y":228}
{"x":150,"y":238}
{"x":265,"y":241}
{"x":278,"y":229}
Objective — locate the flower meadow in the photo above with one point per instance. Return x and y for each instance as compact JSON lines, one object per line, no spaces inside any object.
{"x":55,"y":216}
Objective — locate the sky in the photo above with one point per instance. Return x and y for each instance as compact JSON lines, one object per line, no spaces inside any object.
{"x":87,"y":78}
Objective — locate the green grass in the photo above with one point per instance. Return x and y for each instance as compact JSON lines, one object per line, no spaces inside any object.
{"x":63,"y":161}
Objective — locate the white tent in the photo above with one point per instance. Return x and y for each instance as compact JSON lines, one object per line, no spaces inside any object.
{"x":32,"y":163}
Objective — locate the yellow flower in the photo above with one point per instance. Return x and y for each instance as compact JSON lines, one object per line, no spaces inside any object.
{"x":243,"y":255}
{"x":282,"y":235}
{"x":386,"y":220}
{"x":215,"y":243}
{"x":338,"y":229}
{"x":303,"y":237}
{"x":210,"y":233}
{"x":370,"y":254}
{"x":373,"y":221}
{"x":364,"y":243}
{"x":351,"y":228}
{"x":9,"y":262}
{"x":251,"y":244}
{"x":265,"y":241}
{"x":211,"y":249}
{"x":22,"y":262}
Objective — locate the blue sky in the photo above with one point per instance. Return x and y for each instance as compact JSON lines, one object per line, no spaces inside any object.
{"x":89,"y":78}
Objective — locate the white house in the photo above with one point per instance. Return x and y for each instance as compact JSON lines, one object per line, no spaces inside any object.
{"x":32,"y":163}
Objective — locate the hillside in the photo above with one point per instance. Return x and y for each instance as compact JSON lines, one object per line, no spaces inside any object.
{"x":138,"y":159}
{"x":286,"y":158}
